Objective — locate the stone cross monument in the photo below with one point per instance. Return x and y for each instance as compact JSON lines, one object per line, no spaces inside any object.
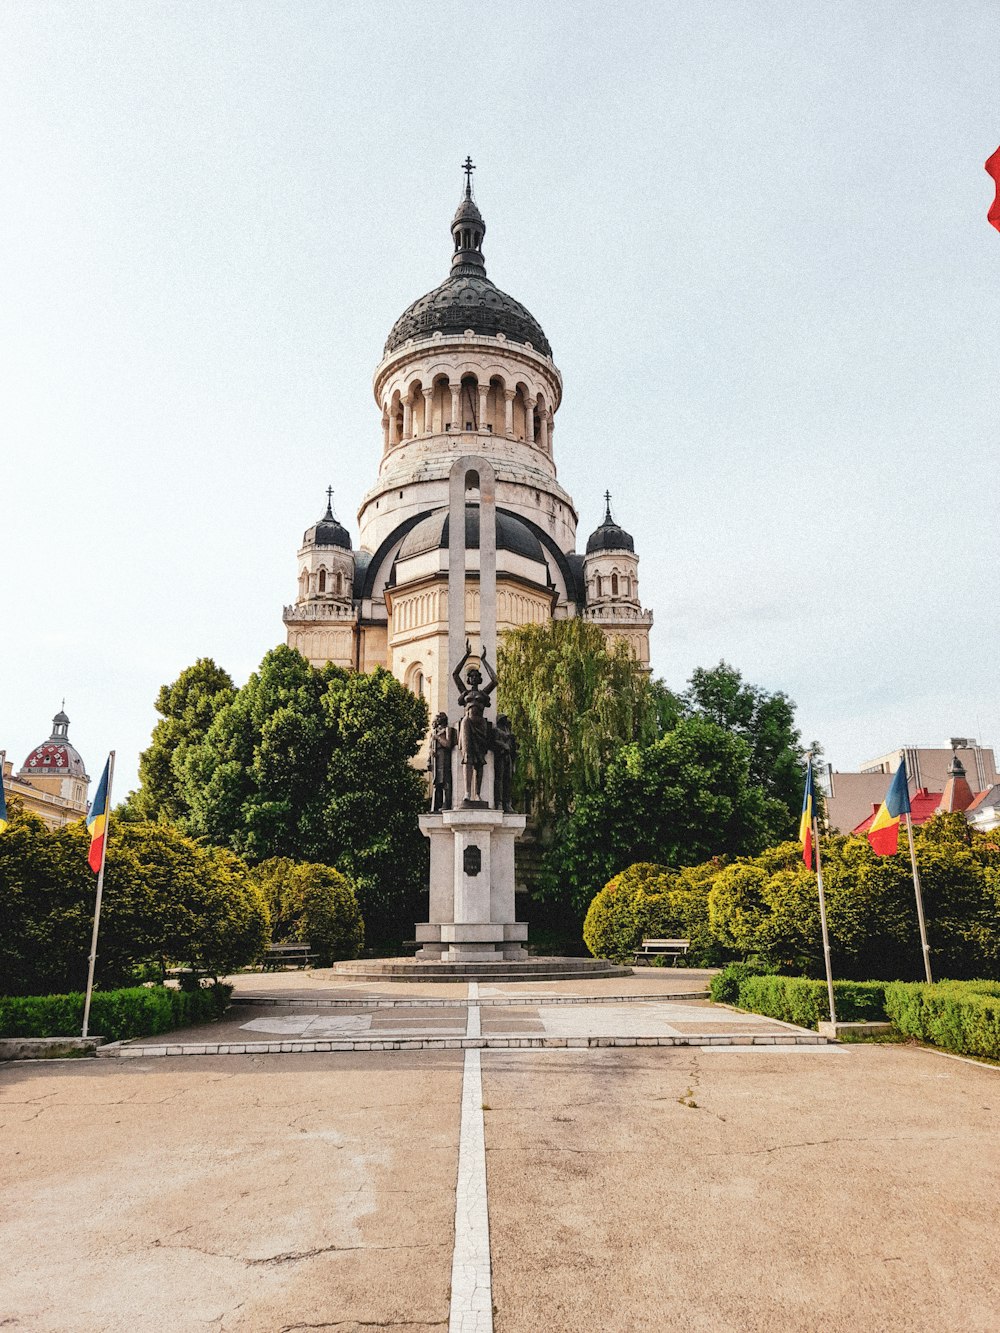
{"x":471,"y":907}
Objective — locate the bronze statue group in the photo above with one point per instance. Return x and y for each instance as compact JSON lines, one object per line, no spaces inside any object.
{"x":476,"y":737}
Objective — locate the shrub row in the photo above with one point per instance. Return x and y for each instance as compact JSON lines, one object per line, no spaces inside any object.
{"x":959,"y":1016}
{"x":138,"y":1011}
{"x":805,"y":1002}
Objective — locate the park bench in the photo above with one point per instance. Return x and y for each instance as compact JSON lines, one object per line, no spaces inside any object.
{"x":281,"y":955}
{"x":672,"y":949}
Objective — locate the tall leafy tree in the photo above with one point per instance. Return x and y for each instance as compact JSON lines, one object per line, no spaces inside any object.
{"x":573,"y":700}
{"x":765,"y":721}
{"x":687,"y":797}
{"x":187,"y":708}
{"x":314,"y":764}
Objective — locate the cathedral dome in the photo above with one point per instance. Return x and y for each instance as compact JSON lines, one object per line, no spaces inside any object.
{"x":432,"y":534}
{"x":56,"y":755}
{"x":467,"y":299}
{"x":609,"y":536}
{"x":328,"y":531}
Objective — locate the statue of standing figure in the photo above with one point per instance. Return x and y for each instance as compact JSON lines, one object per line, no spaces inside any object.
{"x":474,"y":732}
{"x":443,"y":741}
{"x":504,"y":759}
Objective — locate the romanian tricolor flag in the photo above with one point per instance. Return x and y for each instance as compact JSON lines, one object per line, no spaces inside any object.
{"x":806,"y":822}
{"x":97,"y":821}
{"x":993,"y":167}
{"x":883,"y":833}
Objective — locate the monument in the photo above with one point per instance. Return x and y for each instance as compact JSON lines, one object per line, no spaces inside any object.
{"x":472,"y":828}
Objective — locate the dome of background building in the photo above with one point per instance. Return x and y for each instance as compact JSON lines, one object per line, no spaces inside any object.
{"x":432,"y":534}
{"x":328,"y":531}
{"x":467,"y":299}
{"x":56,"y":756}
{"x":610,"y":536}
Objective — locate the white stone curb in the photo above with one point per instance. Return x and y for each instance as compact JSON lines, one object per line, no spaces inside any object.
{"x":126,"y":1051}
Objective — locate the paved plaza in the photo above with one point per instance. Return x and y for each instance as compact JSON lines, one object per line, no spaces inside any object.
{"x":718,"y":1186}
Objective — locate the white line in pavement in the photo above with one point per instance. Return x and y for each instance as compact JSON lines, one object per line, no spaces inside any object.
{"x":471,"y":1284}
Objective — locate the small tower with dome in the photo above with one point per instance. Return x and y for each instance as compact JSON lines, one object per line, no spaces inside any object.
{"x":320,"y":623}
{"x":611,"y":575}
{"x":52,"y":782}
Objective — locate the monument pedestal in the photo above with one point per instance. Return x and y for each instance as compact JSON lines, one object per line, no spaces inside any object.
{"x":471,"y":911}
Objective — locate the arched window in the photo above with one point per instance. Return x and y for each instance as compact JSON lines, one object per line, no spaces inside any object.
{"x":614,"y":585}
{"x":322,"y":580}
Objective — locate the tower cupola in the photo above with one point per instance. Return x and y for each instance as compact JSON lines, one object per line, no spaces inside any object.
{"x":468,"y":230}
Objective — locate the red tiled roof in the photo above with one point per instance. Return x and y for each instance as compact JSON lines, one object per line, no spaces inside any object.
{"x":923,"y":804}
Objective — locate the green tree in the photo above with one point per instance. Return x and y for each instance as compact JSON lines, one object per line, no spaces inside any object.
{"x":765,"y":721}
{"x":681,"y":800}
{"x":573,"y":700}
{"x":314,"y":764}
{"x":187,"y":709}
{"x":312,"y":904}
{"x":651,"y":901}
{"x":165,"y":900}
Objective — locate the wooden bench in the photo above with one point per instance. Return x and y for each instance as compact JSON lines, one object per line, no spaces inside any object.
{"x":672,"y":949}
{"x":281,"y":955}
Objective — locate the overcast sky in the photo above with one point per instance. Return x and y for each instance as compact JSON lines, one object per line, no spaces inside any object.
{"x":755,"y":234}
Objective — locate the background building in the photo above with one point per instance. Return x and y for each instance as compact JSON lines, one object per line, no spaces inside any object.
{"x":466,"y":369}
{"x":52,"y":782}
{"x":850,"y":796}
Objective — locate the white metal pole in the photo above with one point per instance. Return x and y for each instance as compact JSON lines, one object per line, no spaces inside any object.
{"x":100,"y":893}
{"x":822,"y":921}
{"x":920,"y":902}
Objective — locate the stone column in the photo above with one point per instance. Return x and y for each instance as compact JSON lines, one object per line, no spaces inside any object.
{"x":484,"y":393}
{"x":393,"y":427}
{"x":456,"y":406}
{"x":429,"y":411}
{"x":543,"y":429}
{"x":508,"y":413}
{"x":407,"y":419}
{"x":457,"y":633}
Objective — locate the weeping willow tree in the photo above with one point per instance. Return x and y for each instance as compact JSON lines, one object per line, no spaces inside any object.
{"x":573,"y":700}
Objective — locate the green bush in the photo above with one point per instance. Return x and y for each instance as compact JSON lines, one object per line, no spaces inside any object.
{"x":166,"y":899}
{"x":652,"y":901}
{"x":959,"y":1016}
{"x":138,"y":1011}
{"x":312,"y":904}
{"x":725,"y":986}
{"x":804,"y":1002}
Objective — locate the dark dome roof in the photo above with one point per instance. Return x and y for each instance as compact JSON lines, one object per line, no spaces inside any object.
{"x":462,"y":302}
{"x":432,"y":533}
{"x":467,"y":299}
{"x":609,"y":536}
{"x":328,"y":531}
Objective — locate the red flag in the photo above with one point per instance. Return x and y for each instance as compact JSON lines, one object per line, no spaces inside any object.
{"x":993,"y":167}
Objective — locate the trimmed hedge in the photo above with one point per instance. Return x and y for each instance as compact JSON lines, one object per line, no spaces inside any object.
{"x":958,"y":1016}
{"x":724,"y":987}
{"x":802,"y":1001}
{"x":137,"y":1011}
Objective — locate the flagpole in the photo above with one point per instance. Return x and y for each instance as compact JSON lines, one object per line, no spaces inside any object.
{"x":920,"y":902}
{"x":822,"y":921}
{"x":100,"y":893}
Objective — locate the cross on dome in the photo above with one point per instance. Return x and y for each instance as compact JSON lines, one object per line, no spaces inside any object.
{"x":468,"y":166}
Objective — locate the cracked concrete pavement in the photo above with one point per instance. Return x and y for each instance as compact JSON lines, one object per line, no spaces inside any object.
{"x":739,"y":1192}
{"x":628,"y":1189}
{"x":268,"y":1193}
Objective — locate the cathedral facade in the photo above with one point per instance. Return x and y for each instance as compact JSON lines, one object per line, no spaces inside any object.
{"x":466,"y":369}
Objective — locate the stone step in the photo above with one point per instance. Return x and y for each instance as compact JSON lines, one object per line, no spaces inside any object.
{"x":529,"y":969}
{"x":123,"y":1050}
{"x":446,"y":1002}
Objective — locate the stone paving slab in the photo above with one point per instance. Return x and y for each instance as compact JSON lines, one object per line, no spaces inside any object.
{"x":276,"y":1030}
